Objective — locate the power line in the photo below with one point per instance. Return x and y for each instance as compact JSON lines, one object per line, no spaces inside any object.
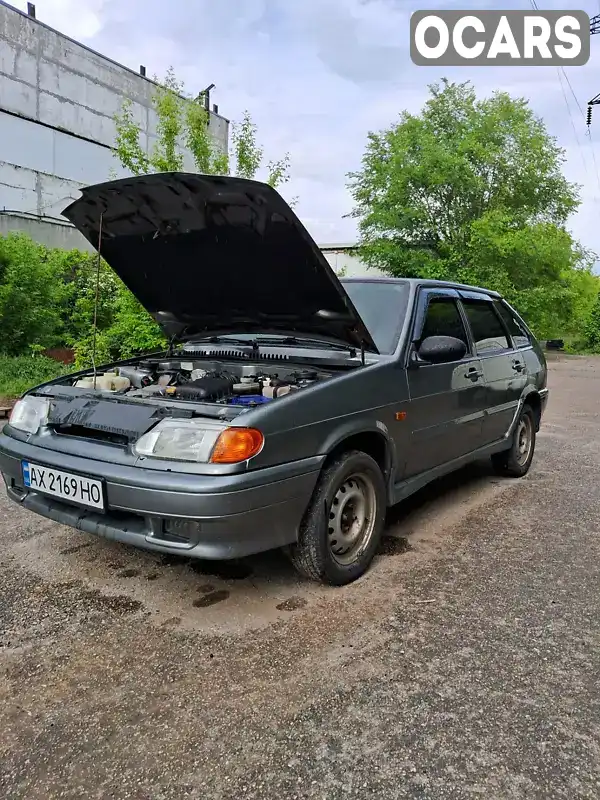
{"x":589,"y":133}
{"x":564,"y":94}
{"x":560,"y":69}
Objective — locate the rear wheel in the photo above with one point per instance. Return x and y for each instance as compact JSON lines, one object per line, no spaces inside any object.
{"x":342,"y":526}
{"x":516,"y":461}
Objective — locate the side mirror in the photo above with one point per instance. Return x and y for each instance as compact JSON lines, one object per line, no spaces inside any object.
{"x":442,"y":349}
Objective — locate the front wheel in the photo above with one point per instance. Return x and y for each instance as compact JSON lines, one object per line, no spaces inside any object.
{"x":515,"y":462}
{"x":342,"y":526}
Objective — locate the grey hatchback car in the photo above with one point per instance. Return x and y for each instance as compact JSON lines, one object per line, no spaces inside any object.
{"x":290,"y":410}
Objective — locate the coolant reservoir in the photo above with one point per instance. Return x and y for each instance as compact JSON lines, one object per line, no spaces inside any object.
{"x":85,"y":383}
{"x":111,"y":382}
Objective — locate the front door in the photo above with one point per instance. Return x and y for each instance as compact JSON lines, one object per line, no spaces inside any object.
{"x":447,"y":401}
{"x":503,"y":366}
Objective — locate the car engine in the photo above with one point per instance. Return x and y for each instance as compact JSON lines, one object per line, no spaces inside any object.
{"x":201,"y":381}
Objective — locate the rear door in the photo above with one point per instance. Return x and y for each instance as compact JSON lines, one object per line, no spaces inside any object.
{"x":503,"y":365}
{"x":447,"y":400}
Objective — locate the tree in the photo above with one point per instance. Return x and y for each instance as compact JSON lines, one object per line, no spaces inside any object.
{"x":182,"y":122}
{"x":472,"y":190}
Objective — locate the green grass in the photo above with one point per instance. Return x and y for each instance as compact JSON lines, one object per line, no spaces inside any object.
{"x":19,"y":373}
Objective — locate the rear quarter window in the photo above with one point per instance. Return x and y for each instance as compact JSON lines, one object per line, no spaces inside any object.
{"x":516,"y":330}
{"x":488,"y":332}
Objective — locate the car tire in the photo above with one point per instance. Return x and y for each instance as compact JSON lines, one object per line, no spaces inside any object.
{"x":341,"y":529}
{"x":516,"y":461}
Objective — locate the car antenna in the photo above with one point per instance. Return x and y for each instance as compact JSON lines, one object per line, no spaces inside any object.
{"x":95,"y":326}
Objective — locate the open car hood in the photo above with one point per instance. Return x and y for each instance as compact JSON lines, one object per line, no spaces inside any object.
{"x":208,"y":255}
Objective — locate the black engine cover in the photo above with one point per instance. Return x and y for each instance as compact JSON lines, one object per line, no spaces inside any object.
{"x":211,"y":387}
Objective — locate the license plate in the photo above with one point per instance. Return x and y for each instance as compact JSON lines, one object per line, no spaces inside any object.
{"x":75,"y":488}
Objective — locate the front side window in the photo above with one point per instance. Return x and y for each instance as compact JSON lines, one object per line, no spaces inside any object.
{"x":488,"y":333}
{"x":443,"y":319}
{"x":517,"y":332}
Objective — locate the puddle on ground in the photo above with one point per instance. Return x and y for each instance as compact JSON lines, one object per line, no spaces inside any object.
{"x":119,"y":603}
{"x":211,"y":598}
{"x":226,"y":570}
{"x":75,"y":549}
{"x":171,"y":622}
{"x":393,"y":545}
{"x":292,"y":604}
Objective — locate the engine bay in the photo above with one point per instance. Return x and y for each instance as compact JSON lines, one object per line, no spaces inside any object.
{"x":204,"y":381}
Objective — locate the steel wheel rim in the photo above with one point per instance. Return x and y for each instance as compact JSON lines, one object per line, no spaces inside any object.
{"x":351,"y":522}
{"x":524,"y":439}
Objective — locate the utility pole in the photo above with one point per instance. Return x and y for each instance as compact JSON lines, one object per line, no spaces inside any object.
{"x":594,"y":28}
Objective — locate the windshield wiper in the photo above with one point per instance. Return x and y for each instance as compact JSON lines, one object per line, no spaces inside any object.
{"x":276,"y":341}
{"x":304,"y":341}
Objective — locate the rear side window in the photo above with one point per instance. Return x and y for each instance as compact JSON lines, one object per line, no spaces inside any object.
{"x":517,"y":332}
{"x":443,"y":319}
{"x":488,"y":333}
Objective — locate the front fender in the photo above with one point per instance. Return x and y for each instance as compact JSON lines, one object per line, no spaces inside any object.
{"x":351,"y":428}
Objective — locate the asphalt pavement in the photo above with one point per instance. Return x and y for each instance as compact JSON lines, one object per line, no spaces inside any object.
{"x":465,"y":664}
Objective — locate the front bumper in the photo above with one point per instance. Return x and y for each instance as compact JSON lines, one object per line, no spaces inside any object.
{"x":200,"y":516}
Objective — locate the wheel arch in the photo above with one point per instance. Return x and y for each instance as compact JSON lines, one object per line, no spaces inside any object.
{"x":374,"y":440}
{"x":533,"y":399}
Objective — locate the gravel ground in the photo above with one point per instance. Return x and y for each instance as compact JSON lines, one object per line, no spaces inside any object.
{"x":464,"y":665}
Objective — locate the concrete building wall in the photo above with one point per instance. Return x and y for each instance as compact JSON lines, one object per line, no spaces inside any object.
{"x":50,"y":232}
{"x":345,"y":263}
{"x":57,"y":105}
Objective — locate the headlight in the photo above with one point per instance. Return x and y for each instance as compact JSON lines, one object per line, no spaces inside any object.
{"x":195,"y":440}
{"x":29,"y":414}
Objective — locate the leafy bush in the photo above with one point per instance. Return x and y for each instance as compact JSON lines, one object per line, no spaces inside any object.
{"x":47,"y":299}
{"x":30,"y":307}
{"x":20,"y":373}
{"x":131,"y":330}
{"x":47,"y":294}
{"x":592,"y":328}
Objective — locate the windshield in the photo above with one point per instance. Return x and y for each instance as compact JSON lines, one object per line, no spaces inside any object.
{"x":382,"y":307}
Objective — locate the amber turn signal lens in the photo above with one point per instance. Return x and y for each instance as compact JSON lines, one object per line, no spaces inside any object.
{"x":235,"y":445}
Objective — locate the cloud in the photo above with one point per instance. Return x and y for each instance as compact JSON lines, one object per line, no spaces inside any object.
{"x":318,"y":75}
{"x":77,"y":20}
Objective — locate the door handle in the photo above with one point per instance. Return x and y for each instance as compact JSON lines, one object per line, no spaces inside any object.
{"x":474,"y":374}
{"x":518,"y":366}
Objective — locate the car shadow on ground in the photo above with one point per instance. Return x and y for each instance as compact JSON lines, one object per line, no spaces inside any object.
{"x":402,"y":521}
{"x":233,"y":596}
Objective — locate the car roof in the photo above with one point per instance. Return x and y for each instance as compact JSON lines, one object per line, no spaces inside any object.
{"x":422,"y":282}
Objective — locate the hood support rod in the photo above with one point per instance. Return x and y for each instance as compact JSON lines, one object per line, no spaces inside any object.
{"x":95,"y":326}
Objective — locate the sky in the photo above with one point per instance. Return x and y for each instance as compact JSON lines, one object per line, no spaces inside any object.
{"x":318,"y":75}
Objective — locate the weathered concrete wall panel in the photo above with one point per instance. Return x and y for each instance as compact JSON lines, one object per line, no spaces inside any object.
{"x":52,"y":234}
{"x":57,"y":105}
